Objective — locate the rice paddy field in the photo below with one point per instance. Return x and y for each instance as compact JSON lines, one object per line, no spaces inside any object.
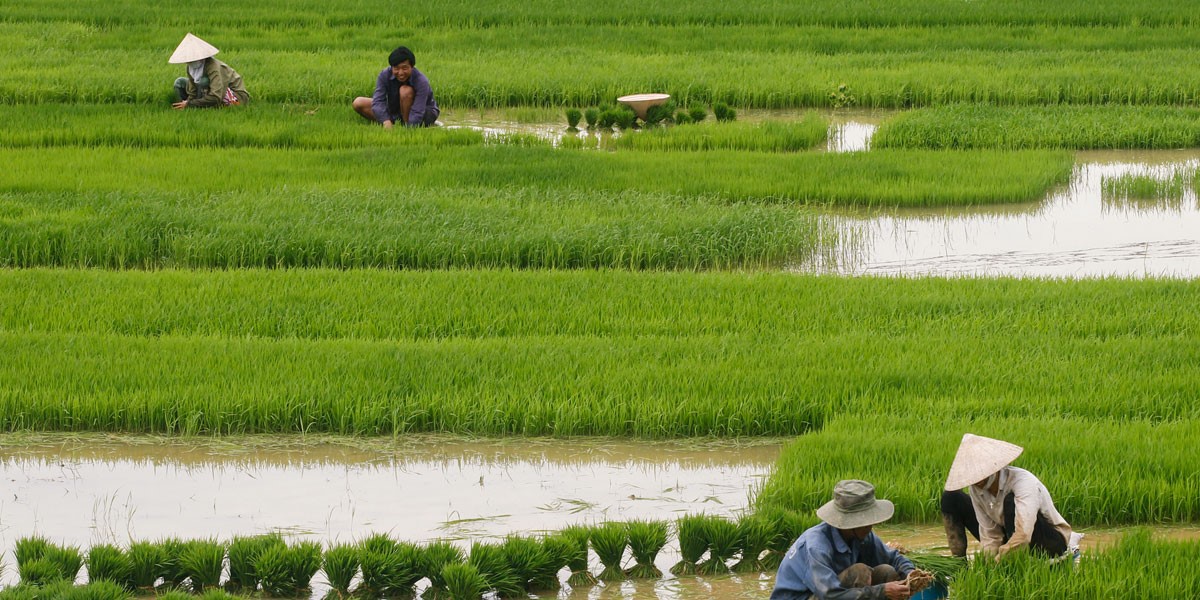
{"x":1009,"y":246}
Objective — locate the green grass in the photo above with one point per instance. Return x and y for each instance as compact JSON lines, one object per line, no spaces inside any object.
{"x":1166,"y":190}
{"x":765,"y":136}
{"x":978,"y":126}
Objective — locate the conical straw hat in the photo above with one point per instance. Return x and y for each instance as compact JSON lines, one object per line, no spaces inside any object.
{"x":190,"y":49}
{"x":979,"y":457}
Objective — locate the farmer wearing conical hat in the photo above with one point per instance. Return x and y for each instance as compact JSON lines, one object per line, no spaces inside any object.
{"x":1007,"y":507}
{"x":841,"y":559}
{"x":209,"y":83}
{"x":402,"y":96}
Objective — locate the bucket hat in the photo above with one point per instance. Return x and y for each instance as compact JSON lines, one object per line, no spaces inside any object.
{"x":191,"y":49}
{"x":979,"y":457}
{"x":854,"y":505}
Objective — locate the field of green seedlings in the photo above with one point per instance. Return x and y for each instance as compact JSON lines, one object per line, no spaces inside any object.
{"x":285,"y":267}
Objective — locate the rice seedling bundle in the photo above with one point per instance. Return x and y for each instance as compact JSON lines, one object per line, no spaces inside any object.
{"x":202,"y":562}
{"x":561,"y":551}
{"x":943,"y":569}
{"x":463,"y":582}
{"x":609,"y":541}
{"x":39,"y":572}
{"x":67,"y":559}
{"x":170,"y":565}
{"x":573,"y":116}
{"x":389,"y":568}
{"x":286,"y":570}
{"x":693,"y":543}
{"x":787,"y":526}
{"x":434,"y":557}
{"x":340,"y":565}
{"x":646,"y":540}
{"x":755,"y":534}
{"x":530,"y":563}
{"x":721,"y":536}
{"x":577,"y":560}
{"x":109,"y":563}
{"x":243,"y":552}
{"x":144,"y":560}
{"x":30,"y":548}
{"x":491,"y":561}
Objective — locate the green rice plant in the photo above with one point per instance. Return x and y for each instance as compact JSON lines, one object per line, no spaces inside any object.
{"x":591,"y":116}
{"x":755,"y":534}
{"x":721,"y":536}
{"x":787,"y":526}
{"x":693,"y":543}
{"x":216,"y":594}
{"x":491,"y":562}
{"x":530,"y":563}
{"x":175,"y":595}
{"x":944,"y":568}
{"x":39,"y":572}
{"x":286,"y":571}
{"x":608,"y":118}
{"x":340,"y":565}
{"x":561,"y":552}
{"x":99,"y":590}
{"x":697,"y":113}
{"x":1145,"y":191}
{"x":463,"y":582}
{"x":646,"y":540}
{"x":389,"y":568}
{"x":573,"y":116}
{"x":434,"y":557}
{"x":624,"y":118}
{"x":660,"y":113}
{"x":682,"y":117}
{"x":243,"y":552}
{"x":577,"y":561}
{"x":144,"y":561}
{"x":170,"y":565}
{"x":723,"y":112}
{"x":29,"y":549}
{"x":110,"y":563}
{"x":609,"y":541}
{"x":202,"y":562}
{"x":766,"y":136}
{"x":68,"y":559}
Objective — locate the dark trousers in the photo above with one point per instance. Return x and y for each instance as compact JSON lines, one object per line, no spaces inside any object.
{"x":958,"y":515}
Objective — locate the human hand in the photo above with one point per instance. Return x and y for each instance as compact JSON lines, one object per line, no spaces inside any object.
{"x":897,"y":590}
{"x":387,"y":124}
{"x":179,"y":105}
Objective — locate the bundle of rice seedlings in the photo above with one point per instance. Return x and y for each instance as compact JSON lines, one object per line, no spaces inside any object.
{"x":109,"y":563}
{"x":144,"y":560}
{"x":203,"y":561}
{"x":68,"y":560}
{"x":722,"y":537}
{"x":529,"y":562}
{"x":692,"y":543}
{"x":755,"y":534}
{"x":625,"y":118}
{"x":463,"y":582}
{"x":723,"y":113}
{"x":941,"y":568}
{"x":577,"y":561}
{"x":573,"y":116}
{"x":608,"y":118}
{"x":29,"y":549}
{"x":787,"y":526}
{"x":243,"y":551}
{"x":492,"y":563}
{"x":697,"y":113}
{"x":435,"y":557}
{"x":591,"y":116}
{"x":340,"y":567}
{"x":558,"y":552}
{"x":646,"y":540}
{"x":99,"y":590}
{"x":389,"y":568}
{"x":287,"y":571}
{"x":682,"y":118}
{"x":38,"y":572}
{"x":609,"y":541}
{"x":170,"y":569}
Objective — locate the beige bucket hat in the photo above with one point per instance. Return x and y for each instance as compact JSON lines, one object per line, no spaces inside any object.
{"x":190,"y":49}
{"x":854,"y":505}
{"x":978,"y":458}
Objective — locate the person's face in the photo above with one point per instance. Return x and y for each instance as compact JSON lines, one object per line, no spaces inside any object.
{"x":860,"y":533}
{"x":402,"y":71}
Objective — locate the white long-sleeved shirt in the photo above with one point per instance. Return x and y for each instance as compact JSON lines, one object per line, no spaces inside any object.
{"x":1030,"y":498}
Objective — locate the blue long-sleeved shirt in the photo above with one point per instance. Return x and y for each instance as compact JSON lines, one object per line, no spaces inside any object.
{"x":423,"y":102}
{"x":811,"y":566}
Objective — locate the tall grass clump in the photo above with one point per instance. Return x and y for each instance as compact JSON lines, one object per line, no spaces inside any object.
{"x":693,"y":543}
{"x":609,"y":541}
{"x":202,"y":562}
{"x":646,"y":540}
{"x":755,"y":534}
{"x":109,"y":563}
{"x":721,"y":536}
{"x":243,"y":553}
{"x":287,"y":570}
{"x":340,"y":564}
{"x":389,"y":568}
{"x":463,"y":582}
{"x":435,"y":556}
{"x":577,"y":561}
{"x":491,"y":561}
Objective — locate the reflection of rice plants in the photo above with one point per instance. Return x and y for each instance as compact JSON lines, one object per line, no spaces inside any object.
{"x":609,"y":541}
{"x":492,"y":563}
{"x":340,"y":565}
{"x":389,"y":568}
{"x":203,"y":561}
{"x":109,"y":563}
{"x":144,"y":561}
{"x":287,"y":571}
{"x":463,"y":581}
{"x":754,"y":536}
{"x":692,"y":543}
{"x":578,"y":560}
{"x":722,"y":537}
{"x":646,"y":540}
{"x":243,"y":552}
{"x":434,"y":558}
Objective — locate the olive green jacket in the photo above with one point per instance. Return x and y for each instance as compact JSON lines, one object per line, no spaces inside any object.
{"x":220,"y":77}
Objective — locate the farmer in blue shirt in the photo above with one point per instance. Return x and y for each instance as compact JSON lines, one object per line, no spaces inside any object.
{"x":402,"y":94}
{"x":841,"y":559}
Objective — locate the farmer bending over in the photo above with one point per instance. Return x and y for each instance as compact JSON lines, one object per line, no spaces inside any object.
{"x":209,"y":82}
{"x":841,"y":559}
{"x":402,"y":94}
{"x":1007,"y":508}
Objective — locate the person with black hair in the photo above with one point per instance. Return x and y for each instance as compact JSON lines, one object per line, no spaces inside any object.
{"x":402,"y":94}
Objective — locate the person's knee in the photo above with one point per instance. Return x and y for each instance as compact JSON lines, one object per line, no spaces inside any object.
{"x":406,"y":92}
{"x":883,"y":574}
{"x":856,"y":575}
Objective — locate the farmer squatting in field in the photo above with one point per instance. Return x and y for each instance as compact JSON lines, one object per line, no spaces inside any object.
{"x":402,"y":94}
{"x":209,"y":82}
{"x":1007,"y":508}
{"x":842,"y":559}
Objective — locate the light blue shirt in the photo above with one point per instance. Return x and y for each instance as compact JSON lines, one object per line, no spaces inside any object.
{"x":813,"y":563}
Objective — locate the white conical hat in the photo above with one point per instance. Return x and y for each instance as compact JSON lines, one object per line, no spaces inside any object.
{"x":978,"y":458}
{"x":190,"y":49}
